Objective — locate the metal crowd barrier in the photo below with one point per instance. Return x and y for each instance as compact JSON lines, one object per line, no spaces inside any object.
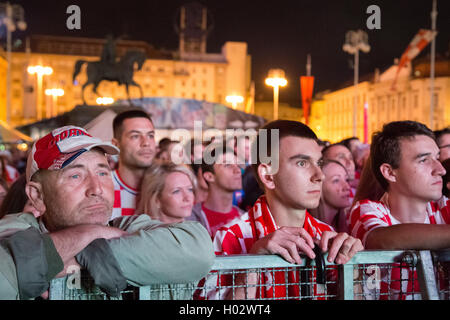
{"x":369,"y":275}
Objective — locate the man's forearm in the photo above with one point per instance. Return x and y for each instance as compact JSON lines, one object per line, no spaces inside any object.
{"x":70,"y":241}
{"x":160,"y":254}
{"x":409,"y":236}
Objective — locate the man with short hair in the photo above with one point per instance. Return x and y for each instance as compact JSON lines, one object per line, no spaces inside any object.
{"x":134,"y":135}
{"x":69,"y":182}
{"x":443,"y":142}
{"x":223,"y":178}
{"x":279,"y":222}
{"x":412,"y":213}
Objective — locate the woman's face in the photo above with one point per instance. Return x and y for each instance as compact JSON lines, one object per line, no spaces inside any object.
{"x":335,"y":187}
{"x":176,"y":199}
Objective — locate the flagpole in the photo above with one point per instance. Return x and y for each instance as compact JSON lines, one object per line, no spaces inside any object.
{"x":308,"y":65}
{"x":433,"y":53}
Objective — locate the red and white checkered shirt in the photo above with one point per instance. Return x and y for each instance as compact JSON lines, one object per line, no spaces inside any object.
{"x":11,"y":174}
{"x":368,"y":215}
{"x":238,"y":237}
{"x":124,"y":197}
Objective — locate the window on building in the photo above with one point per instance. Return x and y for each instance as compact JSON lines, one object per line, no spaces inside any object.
{"x":436,"y":100}
{"x":16,"y":93}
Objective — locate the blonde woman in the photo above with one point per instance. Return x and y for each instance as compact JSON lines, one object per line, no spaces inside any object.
{"x":167,"y":192}
{"x":167,"y":195}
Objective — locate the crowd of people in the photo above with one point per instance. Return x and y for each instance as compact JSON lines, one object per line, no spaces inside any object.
{"x":150,"y":218}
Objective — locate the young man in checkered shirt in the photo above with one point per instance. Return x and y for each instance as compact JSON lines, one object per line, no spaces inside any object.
{"x":134,"y":135}
{"x":279,"y":222}
{"x":223,"y":177}
{"x":412,"y":214}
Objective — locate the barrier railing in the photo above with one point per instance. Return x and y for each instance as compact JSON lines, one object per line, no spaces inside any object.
{"x":368,"y":275}
{"x":441,"y":261}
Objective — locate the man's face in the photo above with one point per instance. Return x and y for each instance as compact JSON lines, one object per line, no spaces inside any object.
{"x":227,"y":173}
{"x":80,"y":193}
{"x":419,"y":174}
{"x":444,"y":146}
{"x":354,"y":143}
{"x":298,"y":182}
{"x":137,"y":143}
{"x":342,"y":155}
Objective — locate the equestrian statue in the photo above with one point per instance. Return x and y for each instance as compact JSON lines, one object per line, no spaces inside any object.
{"x":108,"y":68}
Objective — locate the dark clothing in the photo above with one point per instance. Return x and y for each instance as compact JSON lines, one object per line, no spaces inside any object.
{"x":251,"y":188}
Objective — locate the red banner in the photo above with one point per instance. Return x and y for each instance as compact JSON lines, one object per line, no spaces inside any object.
{"x":306,"y":87}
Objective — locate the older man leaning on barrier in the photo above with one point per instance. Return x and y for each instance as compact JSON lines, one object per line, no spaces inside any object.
{"x":69,"y":182}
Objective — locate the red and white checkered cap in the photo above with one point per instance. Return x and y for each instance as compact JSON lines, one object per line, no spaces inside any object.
{"x":60,"y":147}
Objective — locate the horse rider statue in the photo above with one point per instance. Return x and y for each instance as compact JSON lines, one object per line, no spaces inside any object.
{"x":107,"y":68}
{"x":109,"y":50}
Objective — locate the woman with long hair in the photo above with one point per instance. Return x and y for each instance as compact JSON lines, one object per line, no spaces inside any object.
{"x":167,"y":192}
{"x":335,"y":199}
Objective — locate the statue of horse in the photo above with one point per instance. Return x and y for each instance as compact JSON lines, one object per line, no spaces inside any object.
{"x":121,"y":72}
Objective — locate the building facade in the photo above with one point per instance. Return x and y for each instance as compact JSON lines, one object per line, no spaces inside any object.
{"x":377,"y":103}
{"x":3,"y":86}
{"x":202,"y":76}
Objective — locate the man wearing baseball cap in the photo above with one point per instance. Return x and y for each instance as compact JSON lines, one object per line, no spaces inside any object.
{"x":69,"y":182}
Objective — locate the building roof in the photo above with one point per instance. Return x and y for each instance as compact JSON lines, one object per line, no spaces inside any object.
{"x":82,"y":46}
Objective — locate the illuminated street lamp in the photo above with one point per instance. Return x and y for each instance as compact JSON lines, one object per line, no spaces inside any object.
{"x":11,"y":16}
{"x":355,"y":41}
{"x":276,"y":80}
{"x":234,"y":100}
{"x":40,"y":72}
{"x":55,"y":93}
{"x":104,"y":100}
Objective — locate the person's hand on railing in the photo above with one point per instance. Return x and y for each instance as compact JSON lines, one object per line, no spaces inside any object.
{"x":341,"y":247}
{"x":287,"y":242}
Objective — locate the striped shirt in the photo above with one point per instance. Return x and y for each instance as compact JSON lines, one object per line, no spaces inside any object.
{"x":399,"y":282}
{"x":124,"y":197}
{"x":238,"y":237}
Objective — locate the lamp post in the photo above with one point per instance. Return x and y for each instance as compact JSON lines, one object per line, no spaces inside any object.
{"x":55,"y":93}
{"x":40,"y":72}
{"x":276,"y":79}
{"x":355,"y":41}
{"x":432,"y":63}
{"x":234,"y":100}
{"x":10,"y":16}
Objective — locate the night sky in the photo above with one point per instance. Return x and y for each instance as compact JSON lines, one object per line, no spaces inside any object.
{"x":279,"y":33}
